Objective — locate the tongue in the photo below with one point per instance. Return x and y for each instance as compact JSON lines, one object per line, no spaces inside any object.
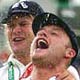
{"x":42,"y":45}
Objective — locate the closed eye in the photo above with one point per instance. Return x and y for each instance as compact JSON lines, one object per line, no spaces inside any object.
{"x":53,"y":33}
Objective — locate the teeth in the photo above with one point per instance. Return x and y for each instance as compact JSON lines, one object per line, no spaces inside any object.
{"x":42,"y":44}
{"x":42,"y":41}
{"x":17,"y":39}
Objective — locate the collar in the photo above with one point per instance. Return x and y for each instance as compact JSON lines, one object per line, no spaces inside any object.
{"x":27,"y":72}
{"x":14,"y":61}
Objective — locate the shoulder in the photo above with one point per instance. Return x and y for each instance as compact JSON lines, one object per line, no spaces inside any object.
{"x":74,"y":72}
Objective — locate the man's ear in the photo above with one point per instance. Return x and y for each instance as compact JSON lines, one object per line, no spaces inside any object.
{"x":70,"y":53}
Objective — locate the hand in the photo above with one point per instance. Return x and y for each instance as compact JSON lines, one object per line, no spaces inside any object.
{"x":66,"y":76}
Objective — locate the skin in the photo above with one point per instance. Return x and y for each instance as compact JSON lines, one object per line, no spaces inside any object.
{"x":65,"y":76}
{"x":21,"y":27}
{"x":20,"y":36}
{"x":54,"y":60}
{"x":4,"y":56}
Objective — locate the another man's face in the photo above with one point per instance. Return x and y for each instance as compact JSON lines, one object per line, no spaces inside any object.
{"x":20,"y":34}
{"x":49,"y":46}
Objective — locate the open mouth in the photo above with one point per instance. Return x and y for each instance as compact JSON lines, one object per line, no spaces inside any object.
{"x":17,"y":39}
{"x":42,"y":44}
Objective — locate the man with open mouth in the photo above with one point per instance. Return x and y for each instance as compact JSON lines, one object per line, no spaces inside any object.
{"x":53,"y":50}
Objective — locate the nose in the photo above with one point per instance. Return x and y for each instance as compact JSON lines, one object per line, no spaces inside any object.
{"x":42,"y":33}
{"x":17,"y":29}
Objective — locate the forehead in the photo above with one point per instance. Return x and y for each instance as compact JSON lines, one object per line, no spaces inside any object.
{"x":58,"y":30}
{"x":20,"y":16}
{"x":53,"y":28}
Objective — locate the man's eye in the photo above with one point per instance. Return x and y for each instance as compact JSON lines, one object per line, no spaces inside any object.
{"x":53,"y":33}
{"x":11,"y":25}
{"x":22,"y":24}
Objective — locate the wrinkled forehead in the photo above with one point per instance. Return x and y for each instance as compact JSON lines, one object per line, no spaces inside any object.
{"x":53,"y":28}
{"x":56,"y":30}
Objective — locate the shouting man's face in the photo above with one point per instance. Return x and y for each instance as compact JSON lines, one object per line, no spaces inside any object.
{"x":49,"y":46}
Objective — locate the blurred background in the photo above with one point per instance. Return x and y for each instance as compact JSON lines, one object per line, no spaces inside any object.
{"x":68,"y":10}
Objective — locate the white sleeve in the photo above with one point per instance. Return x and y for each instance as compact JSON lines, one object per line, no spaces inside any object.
{"x":74,"y":72}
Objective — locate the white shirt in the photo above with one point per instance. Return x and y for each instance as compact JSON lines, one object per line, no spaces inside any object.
{"x":19,"y":68}
{"x":74,"y":72}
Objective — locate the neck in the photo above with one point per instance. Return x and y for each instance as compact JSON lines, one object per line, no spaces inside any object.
{"x":46,"y":73}
{"x":23,"y":59}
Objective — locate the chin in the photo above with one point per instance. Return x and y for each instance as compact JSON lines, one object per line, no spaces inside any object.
{"x":41,"y":62}
{"x":36,"y":57}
